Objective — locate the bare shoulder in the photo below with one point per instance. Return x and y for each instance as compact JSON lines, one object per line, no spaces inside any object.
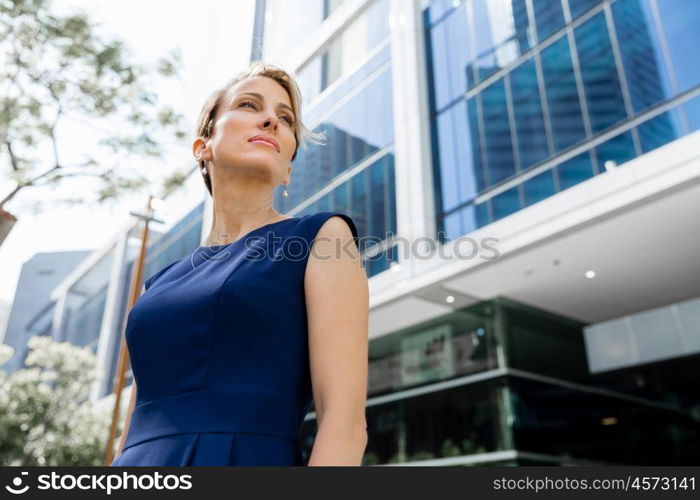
{"x":335,"y":241}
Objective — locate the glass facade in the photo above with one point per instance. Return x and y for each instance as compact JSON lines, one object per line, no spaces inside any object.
{"x":500,"y":376}
{"x":287,"y":26}
{"x":558,"y":86}
{"x":347,"y":93}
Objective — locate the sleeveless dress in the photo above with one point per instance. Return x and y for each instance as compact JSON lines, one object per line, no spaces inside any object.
{"x":219,"y":351}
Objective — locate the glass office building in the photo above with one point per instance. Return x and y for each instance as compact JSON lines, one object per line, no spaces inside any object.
{"x":565,"y":131}
{"x":531,"y":97}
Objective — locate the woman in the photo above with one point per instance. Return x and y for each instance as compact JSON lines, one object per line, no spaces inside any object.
{"x":230,"y":346}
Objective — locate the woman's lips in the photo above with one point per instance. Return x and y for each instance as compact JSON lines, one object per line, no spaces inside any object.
{"x":265,"y":143}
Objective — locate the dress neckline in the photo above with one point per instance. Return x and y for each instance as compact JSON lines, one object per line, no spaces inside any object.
{"x":212,"y":247}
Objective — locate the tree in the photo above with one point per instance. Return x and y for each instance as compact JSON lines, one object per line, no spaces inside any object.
{"x":55,"y":68}
{"x":46,"y":417}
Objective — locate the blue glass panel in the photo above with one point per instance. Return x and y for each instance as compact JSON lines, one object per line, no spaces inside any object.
{"x":452,"y":226}
{"x":359,"y":207}
{"x":456,"y":161}
{"x":477,"y":150}
{"x":527,"y":109}
{"x":378,"y":196}
{"x":599,"y":74}
{"x":358,"y":129}
{"x":642,"y":59}
{"x":500,"y":30}
{"x":549,"y":17}
{"x":680,"y":19}
{"x":505,"y":203}
{"x":660,"y":130}
{"x":381,"y":262}
{"x":482,"y":214}
{"x":692,"y":110}
{"x":500,"y":163}
{"x":577,"y":169}
{"x":539,"y":187}
{"x":326,"y":203}
{"x":391,"y":194}
{"x":438,"y":8}
{"x":469,"y":219}
{"x":618,"y":149}
{"x":562,"y":96}
{"x":340,"y":198}
{"x":578,"y":7}
{"x":463,"y":221}
{"x":451,"y":71}
{"x":313,"y":109}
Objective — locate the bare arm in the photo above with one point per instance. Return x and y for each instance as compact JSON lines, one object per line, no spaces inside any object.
{"x":337,"y":299}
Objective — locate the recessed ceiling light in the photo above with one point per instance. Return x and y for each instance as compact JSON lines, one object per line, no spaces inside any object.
{"x":450,"y":299}
{"x":590,"y":274}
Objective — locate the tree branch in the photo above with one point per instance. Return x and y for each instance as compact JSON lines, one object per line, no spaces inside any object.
{"x":13,"y":159}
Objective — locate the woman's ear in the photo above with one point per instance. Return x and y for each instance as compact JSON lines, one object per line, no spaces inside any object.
{"x":200,"y":150}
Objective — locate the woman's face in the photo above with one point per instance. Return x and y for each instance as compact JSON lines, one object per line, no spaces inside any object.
{"x":256,"y":106}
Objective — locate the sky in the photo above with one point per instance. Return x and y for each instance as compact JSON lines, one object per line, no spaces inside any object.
{"x":214,"y":37}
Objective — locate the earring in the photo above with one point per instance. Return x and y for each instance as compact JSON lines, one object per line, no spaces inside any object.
{"x":204,"y":170}
{"x":285,"y":193}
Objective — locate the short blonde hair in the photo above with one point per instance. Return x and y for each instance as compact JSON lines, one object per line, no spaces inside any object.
{"x":205,"y":123}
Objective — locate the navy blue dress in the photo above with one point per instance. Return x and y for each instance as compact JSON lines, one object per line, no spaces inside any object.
{"x":219,"y":351}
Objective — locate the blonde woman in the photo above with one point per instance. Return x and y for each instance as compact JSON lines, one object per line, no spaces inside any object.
{"x":230,"y":345}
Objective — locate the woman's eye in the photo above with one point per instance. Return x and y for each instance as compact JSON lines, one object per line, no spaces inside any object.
{"x":289,"y":119}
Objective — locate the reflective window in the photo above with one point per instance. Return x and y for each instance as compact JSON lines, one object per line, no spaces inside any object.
{"x":618,"y":149}
{"x":287,"y":26}
{"x":549,"y":17}
{"x":360,"y":127}
{"x":599,"y":73}
{"x":368,"y":197}
{"x":539,"y":187}
{"x":575,"y":170}
{"x":692,"y":110}
{"x":506,"y":203}
{"x":527,"y":109}
{"x":562,"y":95}
{"x":529,"y":116}
{"x":660,"y":130}
{"x":458,"y":171}
{"x":680,"y":20}
{"x":642,"y":58}
{"x":346,"y":50}
{"x":459,"y":223}
{"x":562,"y":421}
{"x":450,"y":56}
{"x":500,"y":163}
{"x":578,"y":7}
{"x":381,"y":262}
{"x":438,"y":8}
{"x":500,"y":33}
